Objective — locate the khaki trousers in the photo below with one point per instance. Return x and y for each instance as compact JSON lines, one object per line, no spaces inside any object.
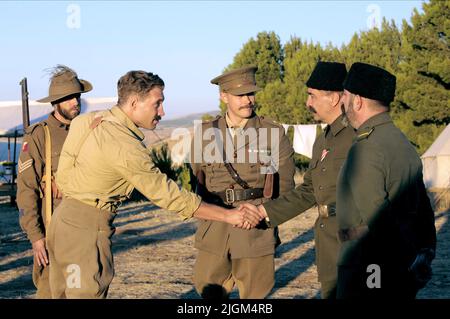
{"x":41,"y":281}
{"x":328,"y":289}
{"x":79,"y":246}
{"x":215,"y":276}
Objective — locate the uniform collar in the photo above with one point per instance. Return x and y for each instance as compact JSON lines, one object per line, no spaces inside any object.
{"x":125,"y":120}
{"x":230,"y":124}
{"x":54,"y":122}
{"x":376,"y":120}
{"x":336,"y":126}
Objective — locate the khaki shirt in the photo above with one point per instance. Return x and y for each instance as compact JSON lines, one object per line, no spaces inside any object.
{"x":103,"y":168}
{"x":31,"y":169}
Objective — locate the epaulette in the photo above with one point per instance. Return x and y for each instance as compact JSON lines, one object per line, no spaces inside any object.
{"x":365,"y":134}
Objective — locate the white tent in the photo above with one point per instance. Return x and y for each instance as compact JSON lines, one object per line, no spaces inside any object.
{"x":11,"y":119}
{"x":11,"y":111}
{"x":436,"y":162}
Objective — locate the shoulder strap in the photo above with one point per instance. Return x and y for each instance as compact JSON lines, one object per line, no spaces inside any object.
{"x":234,"y":175}
{"x":48,"y":177}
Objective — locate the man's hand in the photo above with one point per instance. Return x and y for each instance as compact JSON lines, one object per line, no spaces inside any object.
{"x":258,"y":210}
{"x":242,"y":218}
{"x":40,"y":252}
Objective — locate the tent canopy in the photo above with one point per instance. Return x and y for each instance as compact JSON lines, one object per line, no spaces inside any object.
{"x":436,"y":162}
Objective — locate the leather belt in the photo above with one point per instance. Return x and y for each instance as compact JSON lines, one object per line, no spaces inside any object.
{"x":326,"y":211}
{"x":230,"y":195}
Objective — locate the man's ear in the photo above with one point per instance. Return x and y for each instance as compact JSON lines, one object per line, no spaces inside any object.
{"x":336,"y":99}
{"x":133,"y":100}
{"x":357,"y":102}
{"x":224,"y":97}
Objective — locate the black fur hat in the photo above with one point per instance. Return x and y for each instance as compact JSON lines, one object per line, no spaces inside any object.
{"x":327,"y":76}
{"x":371,"y":82}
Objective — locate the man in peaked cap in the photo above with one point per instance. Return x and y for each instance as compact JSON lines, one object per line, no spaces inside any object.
{"x":33,"y":201}
{"x":255,"y":165}
{"x":385,"y":220}
{"x":325,"y":89}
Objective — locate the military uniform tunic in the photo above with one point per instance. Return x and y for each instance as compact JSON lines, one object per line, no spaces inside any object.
{"x":31,"y":186}
{"x":222,"y":241}
{"x":319,"y":188}
{"x":384,"y":215}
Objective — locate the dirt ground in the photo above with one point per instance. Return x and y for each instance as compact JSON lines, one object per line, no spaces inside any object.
{"x":154,"y":256}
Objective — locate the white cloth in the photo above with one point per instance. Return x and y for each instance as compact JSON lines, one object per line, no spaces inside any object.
{"x":304,"y":137}
{"x":286,"y":128}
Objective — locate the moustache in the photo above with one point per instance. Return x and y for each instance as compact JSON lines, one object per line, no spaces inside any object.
{"x":157,"y":118}
{"x":311,"y":109}
{"x":250,"y":106}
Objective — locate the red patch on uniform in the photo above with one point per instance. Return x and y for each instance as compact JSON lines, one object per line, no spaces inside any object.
{"x":324,"y":154}
{"x":25,"y":147}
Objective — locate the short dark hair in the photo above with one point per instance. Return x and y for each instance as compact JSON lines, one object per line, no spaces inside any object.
{"x":138,"y":82}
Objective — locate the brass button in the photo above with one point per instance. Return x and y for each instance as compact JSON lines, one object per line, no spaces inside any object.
{"x":321,"y":187}
{"x":322,"y":225}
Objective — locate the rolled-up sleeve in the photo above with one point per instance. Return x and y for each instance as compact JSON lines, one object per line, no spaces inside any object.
{"x":133,"y":162}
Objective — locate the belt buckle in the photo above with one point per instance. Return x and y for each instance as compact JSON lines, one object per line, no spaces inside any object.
{"x":229,"y":195}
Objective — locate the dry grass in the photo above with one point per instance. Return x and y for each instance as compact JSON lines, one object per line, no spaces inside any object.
{"x":154,"y":257}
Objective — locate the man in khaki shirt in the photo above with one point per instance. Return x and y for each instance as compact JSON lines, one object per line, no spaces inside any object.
{"x":102,"y":161}
{"x":64,"y":95}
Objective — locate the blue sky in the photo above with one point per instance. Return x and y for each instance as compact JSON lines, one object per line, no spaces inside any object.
{"x":186,"y":42}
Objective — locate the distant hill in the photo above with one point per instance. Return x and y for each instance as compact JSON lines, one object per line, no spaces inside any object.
{"x":185,"y":120}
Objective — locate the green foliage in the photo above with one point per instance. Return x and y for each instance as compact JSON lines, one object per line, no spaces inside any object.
{"x":418,"y":54}
{"x":207,"y":117}
{"x":265,"y":52}
{"x":163,"y":161}
{"x":424,"y":80}
{"x":184,"y":178}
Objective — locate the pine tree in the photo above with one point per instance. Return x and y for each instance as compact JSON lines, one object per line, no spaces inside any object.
{"x":424,"y":80}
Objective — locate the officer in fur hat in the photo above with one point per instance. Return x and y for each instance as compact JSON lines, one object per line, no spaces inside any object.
{"x":255,"y":165}
{"x":385,"y":220}
{"x":325,"y":89}
{"x":38,"y":162}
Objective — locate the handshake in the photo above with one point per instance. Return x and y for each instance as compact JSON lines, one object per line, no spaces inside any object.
{"x":246,"y":216}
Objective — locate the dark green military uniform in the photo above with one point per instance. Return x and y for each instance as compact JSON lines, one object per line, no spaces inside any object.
{"x":231,"y":255}
{"x":384,"y":214}
{"x":31,"y":187}
{"x":319,"y":188}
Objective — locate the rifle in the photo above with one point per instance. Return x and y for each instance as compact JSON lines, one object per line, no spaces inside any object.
{"x":25,"y":107}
